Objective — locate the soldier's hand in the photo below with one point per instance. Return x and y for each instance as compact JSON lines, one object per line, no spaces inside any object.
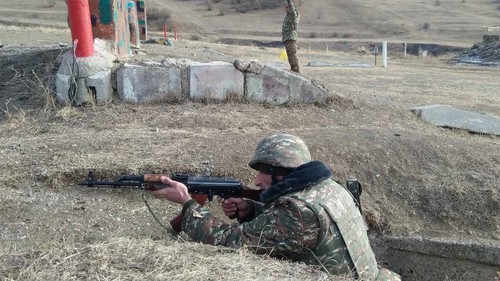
{"x":236,"y":208}
{"x":175,"y":191}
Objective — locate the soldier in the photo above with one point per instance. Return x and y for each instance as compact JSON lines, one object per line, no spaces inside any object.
{"x":303,"y":215}
{"x":289,"y":34}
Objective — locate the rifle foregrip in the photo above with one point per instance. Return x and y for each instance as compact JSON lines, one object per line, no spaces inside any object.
{"x":153,"y":182}
{"x":152,"y":177}
{"x":152,"y":186}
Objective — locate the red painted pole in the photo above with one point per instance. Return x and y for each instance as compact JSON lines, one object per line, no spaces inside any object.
{"x":81,"y":28}
{"x":175,"y":32}
{"x":164,"y":32}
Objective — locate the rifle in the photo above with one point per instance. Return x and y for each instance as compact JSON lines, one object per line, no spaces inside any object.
{"x":200,"y":188}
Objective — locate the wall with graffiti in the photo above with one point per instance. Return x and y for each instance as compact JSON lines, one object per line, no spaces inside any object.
{"x":118,"y":21}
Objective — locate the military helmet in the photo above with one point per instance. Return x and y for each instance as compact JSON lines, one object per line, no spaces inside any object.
{"x":280,"y":151}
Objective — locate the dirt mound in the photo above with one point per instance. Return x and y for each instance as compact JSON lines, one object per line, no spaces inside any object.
{"x":132,"y":259}
{"x":418,"y":180}
{"x":485,"y":53}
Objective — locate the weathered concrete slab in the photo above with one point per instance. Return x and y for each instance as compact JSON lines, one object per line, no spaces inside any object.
{"x":215,"y":81}
{"x":98,"y":85}
{"x":277,"y":86}
{"x":142,"y":84}
{"x":101,"y":83}
{"x":62,"y":88}
{"x":183,"y":65}
{"x":446,"y":116}
{"x":417,"y":258}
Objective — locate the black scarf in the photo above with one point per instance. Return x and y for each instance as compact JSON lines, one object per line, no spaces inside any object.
{"x":298,"y":179}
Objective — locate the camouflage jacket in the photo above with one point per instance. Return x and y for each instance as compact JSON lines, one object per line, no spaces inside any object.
{"x":290,"y":23}
{"x":292,"y":223}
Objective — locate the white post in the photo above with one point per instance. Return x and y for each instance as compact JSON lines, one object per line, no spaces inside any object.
{"x":405,"y":49}
{"x":327,"y":48}
{"x":384,"y":53}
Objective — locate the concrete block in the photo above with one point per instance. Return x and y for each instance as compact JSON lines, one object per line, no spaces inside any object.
{"x":449,"y":117}
{"x":311,"y":91}
{"x":215,"y":81}
{"x":141,"y":84}
{"x":277,"y":86}
{"x":418,"y":258}
{"x":272,"y":86}
{"x":95,"y":88}
{"x":182,"y":64}
{"x":101,"y":85}
{"x":63,"y":83}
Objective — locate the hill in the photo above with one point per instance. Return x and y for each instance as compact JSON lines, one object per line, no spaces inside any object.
{"x":458,"y":23}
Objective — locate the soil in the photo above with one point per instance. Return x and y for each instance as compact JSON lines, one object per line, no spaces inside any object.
{"x":418,"y":179}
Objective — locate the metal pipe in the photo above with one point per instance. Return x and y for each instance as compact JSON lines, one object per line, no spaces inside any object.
{"x":81,"y":27}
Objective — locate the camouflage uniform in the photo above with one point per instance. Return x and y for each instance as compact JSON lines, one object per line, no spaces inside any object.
{"x":305,"y":217}
{"x":290,"y":36}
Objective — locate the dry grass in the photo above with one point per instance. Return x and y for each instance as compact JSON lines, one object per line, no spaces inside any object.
{"x":36,"y":29}
{"x":14,"y":114}
{"x":145,"y":259}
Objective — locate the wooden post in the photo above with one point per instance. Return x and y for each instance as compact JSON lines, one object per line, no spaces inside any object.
{"x":164,"y":32}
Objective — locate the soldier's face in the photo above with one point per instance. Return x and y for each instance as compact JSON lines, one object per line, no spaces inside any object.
{"x":286,"y":9}
{"x":264,"y":181}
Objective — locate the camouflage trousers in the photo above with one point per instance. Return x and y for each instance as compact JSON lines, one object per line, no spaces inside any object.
{"x":291,"y":52}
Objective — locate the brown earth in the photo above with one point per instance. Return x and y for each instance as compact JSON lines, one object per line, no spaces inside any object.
{"x":419,"y":180}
